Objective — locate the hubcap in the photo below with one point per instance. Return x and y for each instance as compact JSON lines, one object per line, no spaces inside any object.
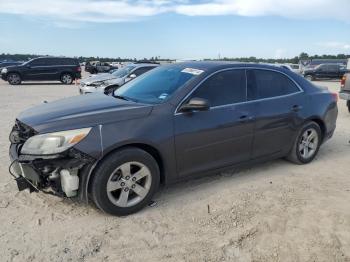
{"x":308,"y":143}
{"x":129,"y":184}
{"x":66,"y":79}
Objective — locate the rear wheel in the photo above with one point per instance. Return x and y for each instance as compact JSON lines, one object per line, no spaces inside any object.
{"x":125,"y":182}
{"x":307,"y":144}
{"x":309,"y":77}
{"x":14,"y":79}
{"x":66,"y":78}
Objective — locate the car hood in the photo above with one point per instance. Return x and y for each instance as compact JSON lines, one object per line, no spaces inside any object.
{"x":97,"y":78}
{"x":81,"y":111}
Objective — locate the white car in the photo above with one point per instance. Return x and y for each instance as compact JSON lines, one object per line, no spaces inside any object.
{"x":100,"y":82}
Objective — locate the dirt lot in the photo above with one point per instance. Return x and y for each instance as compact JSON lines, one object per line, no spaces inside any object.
{"x":276,"y":211}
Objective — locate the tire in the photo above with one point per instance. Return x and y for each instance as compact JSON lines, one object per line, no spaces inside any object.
{"x":110,"y":89}
{"x":299,"y":154}
{"x":67,"y":78}
{"x":14,"y":79}
{"x":309,"y":77}
{"x":348,"y":105}
{"x":118,"y":178}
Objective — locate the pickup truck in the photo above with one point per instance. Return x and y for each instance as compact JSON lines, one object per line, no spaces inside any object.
{"x":345,"y":89}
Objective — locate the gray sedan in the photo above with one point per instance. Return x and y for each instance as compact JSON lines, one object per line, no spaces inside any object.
{"x":107,"y":83}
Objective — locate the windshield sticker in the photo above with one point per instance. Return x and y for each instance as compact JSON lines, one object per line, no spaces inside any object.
{"x":192,"y":71}
{"x":163,"y":96}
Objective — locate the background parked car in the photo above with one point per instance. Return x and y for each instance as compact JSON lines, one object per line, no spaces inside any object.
{"x":345,"y":89}
{"x":98,"y":67}
{"x":5,"y":64}
{"x":43,"y":69}
{"x":107,"y":83}
{"x":325,"y":71}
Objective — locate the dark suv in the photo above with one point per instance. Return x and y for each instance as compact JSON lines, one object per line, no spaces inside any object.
{"x":325,"y":71}
{"x":43,"y":69}
{"x":169,"y":124}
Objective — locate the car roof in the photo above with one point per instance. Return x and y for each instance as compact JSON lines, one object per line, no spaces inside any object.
{"x":143,"y":64}
{"x":217,"y":65}
{"x":61,"y":57}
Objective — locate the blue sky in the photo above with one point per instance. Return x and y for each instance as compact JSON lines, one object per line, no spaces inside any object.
{"x":180,"y":29}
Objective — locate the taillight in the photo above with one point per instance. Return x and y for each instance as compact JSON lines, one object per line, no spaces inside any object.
{"x":335,"y":96}
{"x":342,"y":82}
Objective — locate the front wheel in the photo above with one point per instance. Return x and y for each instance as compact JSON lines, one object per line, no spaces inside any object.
{"x":125,"y":182}
{"x":14,"y":79}
{"x":307,"y":144}
{"x":66,"y":79}
{"x":110,"y":89}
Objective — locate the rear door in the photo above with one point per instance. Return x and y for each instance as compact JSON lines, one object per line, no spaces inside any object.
{"x":279,"y":103}
{"x":334,"y":71}
{"x":220,"y":136}
{"x":322,"y":72}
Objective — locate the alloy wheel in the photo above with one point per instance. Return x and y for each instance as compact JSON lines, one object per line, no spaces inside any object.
{"x":308,"y":143}
{"x":129,"y":184}
{"x":14,"y":79}
{"x":67,"y":79}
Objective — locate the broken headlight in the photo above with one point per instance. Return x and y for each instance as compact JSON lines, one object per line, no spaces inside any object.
{"x":53,"y":143}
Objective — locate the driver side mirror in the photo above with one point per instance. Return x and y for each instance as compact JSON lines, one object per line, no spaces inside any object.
{"x":195,"y":104}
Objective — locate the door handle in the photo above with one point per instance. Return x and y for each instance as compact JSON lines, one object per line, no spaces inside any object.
{"x":245,"y":118}
{"x":296,"y":108}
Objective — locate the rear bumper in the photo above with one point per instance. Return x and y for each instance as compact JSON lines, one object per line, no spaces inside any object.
{"x":345,"y":95}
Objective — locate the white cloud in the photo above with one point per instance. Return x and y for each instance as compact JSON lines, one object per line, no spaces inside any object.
{"x":335,"y":45}
{"x":126,"y":10}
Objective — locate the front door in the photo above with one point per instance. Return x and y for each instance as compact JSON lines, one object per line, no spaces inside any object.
{"x":220,"y":136}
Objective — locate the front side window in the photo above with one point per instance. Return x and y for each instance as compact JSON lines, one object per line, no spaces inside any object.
{"x":267,"y":84}
{"x":38,"y":62}
{"x":123,"y":71}
{"x":223,"y":88}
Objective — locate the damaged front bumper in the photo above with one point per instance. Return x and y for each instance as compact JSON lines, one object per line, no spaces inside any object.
{"x":63,"y":174}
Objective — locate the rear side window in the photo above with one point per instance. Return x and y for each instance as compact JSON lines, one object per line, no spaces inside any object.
{"x":266,"y":84}
{"x":224,"y":88}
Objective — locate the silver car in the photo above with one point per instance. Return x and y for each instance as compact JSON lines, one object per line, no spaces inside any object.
{"x":107,"y":83}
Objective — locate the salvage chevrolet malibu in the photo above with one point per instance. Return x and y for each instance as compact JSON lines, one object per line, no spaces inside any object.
{"x":171,"y":123}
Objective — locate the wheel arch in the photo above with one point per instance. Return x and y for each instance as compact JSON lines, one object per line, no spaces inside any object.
{"x":320,"y":123}
{"x":145,"y":147}
{"x":14,"y":72}
{"x":67,"y":72}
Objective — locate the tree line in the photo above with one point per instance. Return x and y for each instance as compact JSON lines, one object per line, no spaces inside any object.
{"x":252,"y":59}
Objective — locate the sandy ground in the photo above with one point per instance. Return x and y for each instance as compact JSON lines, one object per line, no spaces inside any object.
{"x":275,"y":211}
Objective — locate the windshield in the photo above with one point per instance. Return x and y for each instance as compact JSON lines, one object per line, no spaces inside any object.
{"x":123,"y":71}
{"x":157,"y":85}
